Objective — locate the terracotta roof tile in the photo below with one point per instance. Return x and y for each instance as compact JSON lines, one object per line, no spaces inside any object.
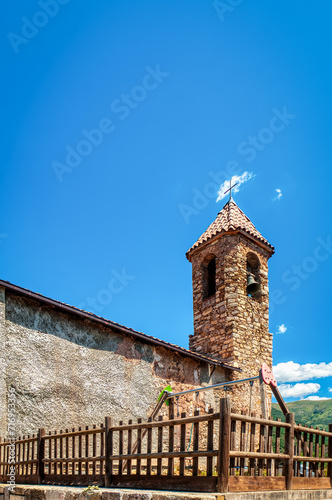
{"x":230,"y":218}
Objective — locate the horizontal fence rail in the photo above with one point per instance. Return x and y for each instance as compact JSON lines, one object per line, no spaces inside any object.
{"x":215,"y":451}
{"x":66,"y":457}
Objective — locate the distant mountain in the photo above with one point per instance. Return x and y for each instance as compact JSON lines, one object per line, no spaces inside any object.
{"x":315,"y":413}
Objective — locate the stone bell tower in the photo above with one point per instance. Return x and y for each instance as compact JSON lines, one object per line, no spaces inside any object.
{"x":231,"y":322}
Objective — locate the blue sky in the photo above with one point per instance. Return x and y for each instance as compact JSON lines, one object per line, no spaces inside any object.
{"x":120,"y":122}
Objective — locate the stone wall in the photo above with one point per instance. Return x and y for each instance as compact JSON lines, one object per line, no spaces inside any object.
{"x":22,"y":492}
{"x":3,"y":354}
{"x":68,"y":371}
{"x":45,"y":492}
{"x":230,"y":325}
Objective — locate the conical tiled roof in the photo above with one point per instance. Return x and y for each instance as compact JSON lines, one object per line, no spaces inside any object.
{"x":230,"y":218}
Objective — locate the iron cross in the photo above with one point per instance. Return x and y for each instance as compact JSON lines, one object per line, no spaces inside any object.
{"x":230,"y":189}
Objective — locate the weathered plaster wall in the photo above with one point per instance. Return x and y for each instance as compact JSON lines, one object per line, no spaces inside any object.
{"x":69,"y":372}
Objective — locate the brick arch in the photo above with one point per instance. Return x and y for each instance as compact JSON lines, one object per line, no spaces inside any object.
{"x":253,"y":261}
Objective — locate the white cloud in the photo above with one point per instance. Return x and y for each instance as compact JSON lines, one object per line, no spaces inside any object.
{"x":294,"y":372}
{"x":278,"y":196}
{"x":240,"y":179}
{"x":281,"y":329}
{"x":298,"y":390}
{"x":330,"y":389}
{"x":316,"y":398}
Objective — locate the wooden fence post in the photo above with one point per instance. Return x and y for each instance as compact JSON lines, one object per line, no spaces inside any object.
{"x":289,"y":450}
{"x":108,"y":450}
{"x":329,"y":454}
{"x":41,"y":455}
{"x":224,"y":444}
{"x":262,"y":389}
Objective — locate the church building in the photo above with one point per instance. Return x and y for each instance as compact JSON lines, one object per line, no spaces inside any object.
{"x":70,"y":367}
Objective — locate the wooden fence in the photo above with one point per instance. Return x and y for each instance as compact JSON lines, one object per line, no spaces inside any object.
{"x":216,"y":451}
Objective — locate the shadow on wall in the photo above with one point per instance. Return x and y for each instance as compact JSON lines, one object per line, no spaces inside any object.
{"x":45,"y":319}
{"x":40,"y":318}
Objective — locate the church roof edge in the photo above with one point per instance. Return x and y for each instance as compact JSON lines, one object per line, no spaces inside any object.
{"x":112,"y":325}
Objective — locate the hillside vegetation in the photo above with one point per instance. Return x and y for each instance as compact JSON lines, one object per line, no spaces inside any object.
{"x":315,"y":413}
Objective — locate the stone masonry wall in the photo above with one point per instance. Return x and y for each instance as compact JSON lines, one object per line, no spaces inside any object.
{"x":68,"y":372}
{"x":3,"y":392}
{"x":230,"y":325}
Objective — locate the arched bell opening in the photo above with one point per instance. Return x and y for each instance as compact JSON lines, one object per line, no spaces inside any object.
{"x":253,"y":286}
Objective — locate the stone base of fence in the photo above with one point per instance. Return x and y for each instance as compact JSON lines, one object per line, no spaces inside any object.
{"x":43,"y":492}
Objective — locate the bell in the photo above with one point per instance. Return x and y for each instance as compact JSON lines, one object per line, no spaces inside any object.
{"x":252,"y":285}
